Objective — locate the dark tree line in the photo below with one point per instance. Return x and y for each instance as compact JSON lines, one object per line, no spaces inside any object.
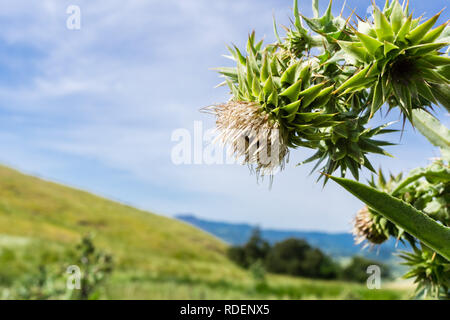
{"x":296,"y":257}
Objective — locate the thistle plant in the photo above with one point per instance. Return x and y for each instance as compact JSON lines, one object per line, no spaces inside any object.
{"x":430,"y":271}
{"x":318,"y":87}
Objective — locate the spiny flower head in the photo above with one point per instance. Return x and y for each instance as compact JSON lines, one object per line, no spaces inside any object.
{"x":251,"y":135}
{"x":285,"y":94}
{"x":347,"y":145}
{"x":399,"y":59}
{"x":430,"y":271}
{"x":370,"y":227}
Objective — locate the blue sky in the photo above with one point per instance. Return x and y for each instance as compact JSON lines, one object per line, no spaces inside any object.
{"x":95,"y":108}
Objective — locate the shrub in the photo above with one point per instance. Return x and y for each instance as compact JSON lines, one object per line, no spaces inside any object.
{"x":48,"y":281}
{"x":296,"y":257}
{"x":291,"y":256}
{"x":254,"y":250}
{"x":357,"y":270}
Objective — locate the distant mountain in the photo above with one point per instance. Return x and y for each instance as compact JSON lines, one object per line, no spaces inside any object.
{"x":338,"y":245}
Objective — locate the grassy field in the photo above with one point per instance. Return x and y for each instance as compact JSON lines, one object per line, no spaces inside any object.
{"x":155,"y":257}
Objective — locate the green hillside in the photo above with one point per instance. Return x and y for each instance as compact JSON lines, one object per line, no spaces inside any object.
{"x":156,"y":257}
{"x":33,"y":208}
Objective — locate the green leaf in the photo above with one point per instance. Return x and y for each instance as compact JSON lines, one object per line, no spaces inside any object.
{"x":304,"y":74}
{"x":259,"y":45}
{"x":241,"y":58}
{"x":445,"y":71}
{"x":435,"y":171}
{"x":442,"y":94}
{"x":268,"y":87}
{"x":233,"y":56}
{"x":423,"y":49}
{"x":434,"y":76}
{"x":339,"y":153}
{"x":275,"y":30}
{"x":327,"y":124}
{"x":293,"y":91}
{"x":368,"y":165}
{"x":289,"y":75}
{"x":251,"y":42}
{"x":418,"y":33}
{"x":387,"y":10}
{"x":377,"y":99}
{"x":353,"y":166}
{"x":341,"y":131}
{"x":368,"y":146}
{"x":273,"y":99}
{"x":370,"y":43}
{"x":265,"y":69}
{"x":404,"y":30}
{"x":354,"y":152}
{"x":297,"y":22}
{"x":250,"y":76}
{"x":256,"y":87}
{"x":425,"y":91}
{"x":354,"y":80}
{"x":397,"y":17}
{"x":275,"y":66}
{"x":315,"y":8}
{"x":310,"y":94}
{"x":373,"y":71}
{"x":432,"y":129}
{"x":388,"y":47}
{"x":382,"y":26}
{"x":323,"y":97}
{"x":434,"y":34}
{"x":251,"y":61}
{"x":355,"y":50}
{"x":230,"y":72}
{"x":328,"y":14}
{"x":415,"y":22}
{"x":315,"y":116}
{"x":242,"y":78}
{"x":445,"y":36}
{"x":234,"y":90}
{"x":314,"y":157}
{"x":437,"y":60}
{"x":416,"y":223}
{"x":291,"y":110}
